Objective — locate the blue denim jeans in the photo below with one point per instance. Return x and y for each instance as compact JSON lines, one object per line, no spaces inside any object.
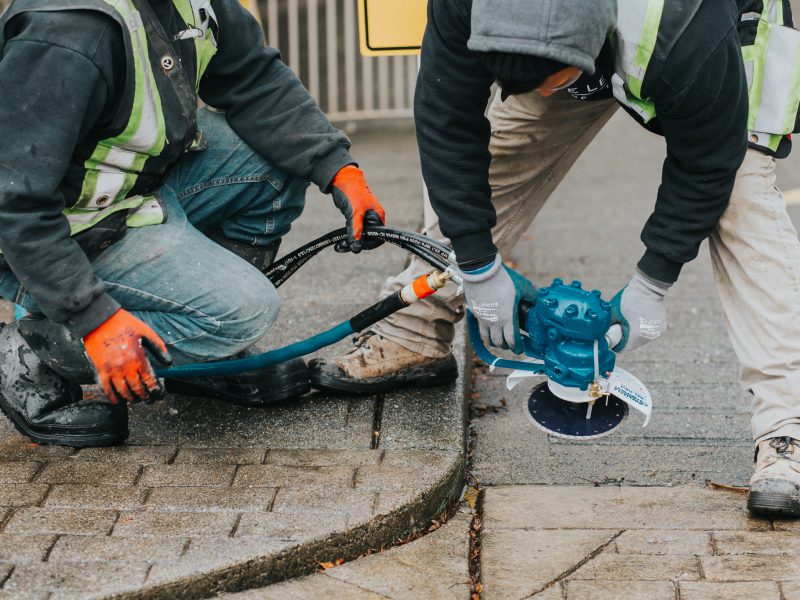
{"x":205,"y":302}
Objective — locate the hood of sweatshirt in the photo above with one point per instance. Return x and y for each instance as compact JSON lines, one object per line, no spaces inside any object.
{"x":569,"y":31}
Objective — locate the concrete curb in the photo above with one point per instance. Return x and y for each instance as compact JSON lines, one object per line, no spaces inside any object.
{"x":412,"y":511}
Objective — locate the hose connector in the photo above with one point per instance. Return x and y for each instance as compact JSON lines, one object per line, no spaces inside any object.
{"x":424,"y":286}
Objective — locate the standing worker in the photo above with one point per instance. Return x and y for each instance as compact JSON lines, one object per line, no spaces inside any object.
{"x":563,"y":67}
{"x":131,"y":221}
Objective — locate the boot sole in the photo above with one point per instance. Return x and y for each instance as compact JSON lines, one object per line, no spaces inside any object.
{"x":429,"y":375}
{"x":74,"y":440}
{"x":291,"y":384}
{"x":774,"y":505}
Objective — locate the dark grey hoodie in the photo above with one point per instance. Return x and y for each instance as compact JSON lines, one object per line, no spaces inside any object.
{"x":696,"y":82}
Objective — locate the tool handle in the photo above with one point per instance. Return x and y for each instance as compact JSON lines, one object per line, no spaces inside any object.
{"x":490,"y":359}
{"x":524,"y":309}
{"x":614,"y":335}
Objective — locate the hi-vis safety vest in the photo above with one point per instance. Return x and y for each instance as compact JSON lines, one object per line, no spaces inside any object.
{"x":117,"y":162}
{"x":772,"y":65}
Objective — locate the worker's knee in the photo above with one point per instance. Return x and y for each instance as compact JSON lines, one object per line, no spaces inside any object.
{"x":254,"y":308}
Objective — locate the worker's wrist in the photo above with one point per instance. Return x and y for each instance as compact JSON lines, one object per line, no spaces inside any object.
{"x":83,"y":322}
{"x":326,"y":167}
{"x":474,"y":250}
{"x":658,"y":267}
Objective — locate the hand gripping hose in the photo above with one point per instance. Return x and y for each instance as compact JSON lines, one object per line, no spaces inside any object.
{"x":434,"y":253}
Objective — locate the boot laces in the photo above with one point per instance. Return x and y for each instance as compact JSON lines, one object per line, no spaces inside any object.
{"x":785,"y":447}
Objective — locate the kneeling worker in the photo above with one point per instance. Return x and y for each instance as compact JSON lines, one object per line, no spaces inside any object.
{"x":131,"y":220}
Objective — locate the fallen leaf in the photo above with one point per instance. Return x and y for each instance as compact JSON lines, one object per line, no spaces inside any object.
{"x":471,"y":497}
{"x":326,"y":565}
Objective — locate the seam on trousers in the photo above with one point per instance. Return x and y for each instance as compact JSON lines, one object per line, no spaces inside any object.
{"x":223,"y":181}
{"x":187,"y":311}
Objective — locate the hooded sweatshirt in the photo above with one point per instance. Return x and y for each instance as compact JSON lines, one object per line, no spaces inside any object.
{"x":696,"y":80}
{"x":63,"y":76}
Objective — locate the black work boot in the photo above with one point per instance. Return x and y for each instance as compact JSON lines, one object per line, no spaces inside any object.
{"x":47,"y":407}
{"x":267,"y":385}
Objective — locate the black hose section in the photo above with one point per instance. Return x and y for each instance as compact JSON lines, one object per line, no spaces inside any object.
{"x":433,"y":252}
{"x":377,"y":312}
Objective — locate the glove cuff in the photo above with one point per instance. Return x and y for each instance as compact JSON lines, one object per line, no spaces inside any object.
{"x":647,"y":283}
{"x":484,"y":273}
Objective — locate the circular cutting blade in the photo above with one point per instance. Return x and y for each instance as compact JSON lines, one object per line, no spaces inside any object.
{"x":568,"y":419}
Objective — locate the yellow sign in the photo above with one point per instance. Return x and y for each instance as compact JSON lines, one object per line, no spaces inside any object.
{"x":391,"y":27}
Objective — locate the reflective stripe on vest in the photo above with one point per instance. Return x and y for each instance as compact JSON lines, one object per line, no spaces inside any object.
{"x":116,"y":163}
{"x":772,"y":65}
{"x":634,"y":42}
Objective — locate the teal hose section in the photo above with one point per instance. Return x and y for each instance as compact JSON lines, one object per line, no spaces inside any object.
{"x":273,"y":357}
{"x":489,"y":358}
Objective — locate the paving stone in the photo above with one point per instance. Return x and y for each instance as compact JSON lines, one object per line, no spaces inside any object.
{"x":517,"y":563}
{"x":94,"y":473}
{"x":92,"y":549}
{"x":786,"y":524}
{"x":616,"y":567}
{"x":293,"y":476}
{"x":22,"y":449}
{"x":213,"y":499}
{"x":129,"y":455}
{"x":688,"y":508}
{"x":215,"y":554}
{"x":790,"y":590}
{"x":620,"y":590}
{"x":61,"y":520}
{"x":23,"y":595}
{"x":66,"y":577}
{"x":416,"y":459}
{"x":390,"y":501}
{"x":289,"y":526}
{"x":187,"y":475}
{"x":434,"y":566}
{"x":353,"y":503}
{"x":751,"y":568}
{"x":756,"y":542}
{"x":18,"y":472}
{"x":433,"y":420}
{"x":95,"y":496}
{"x":197,"y":422}
{"x":24,"y":548}
{"x":383,"y":477}
{"x":664,"y":542}
{"x":183,"y":524}
{"x":233,"y":456}
{"x":321,"y":457}
{"x":313,"y":586}
{"x":705,"y":590}
{"x":25,"y":494}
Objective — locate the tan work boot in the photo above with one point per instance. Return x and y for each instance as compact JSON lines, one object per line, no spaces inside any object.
{"x":376,"y":364}
{"x":775,"y":485}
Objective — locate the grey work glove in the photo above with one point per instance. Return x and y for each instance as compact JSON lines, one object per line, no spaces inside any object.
{"x":640,"y":309}
{"x":493,"y":295}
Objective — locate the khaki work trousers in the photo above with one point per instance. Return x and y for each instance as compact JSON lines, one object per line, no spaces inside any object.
{"x":755,"y":251}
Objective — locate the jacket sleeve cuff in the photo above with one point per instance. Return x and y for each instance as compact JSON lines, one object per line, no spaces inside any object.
{"x":659,"y":267}
{"x":326,"y":168}
{"x":90,"y":318}
{"x":474,"y":249}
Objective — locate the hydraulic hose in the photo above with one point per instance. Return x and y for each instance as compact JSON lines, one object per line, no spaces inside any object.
{"x":429,"y":250}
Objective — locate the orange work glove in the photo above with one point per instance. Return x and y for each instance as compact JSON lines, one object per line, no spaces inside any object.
{"x":116,"y":349}
{"x":352,"y":196}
